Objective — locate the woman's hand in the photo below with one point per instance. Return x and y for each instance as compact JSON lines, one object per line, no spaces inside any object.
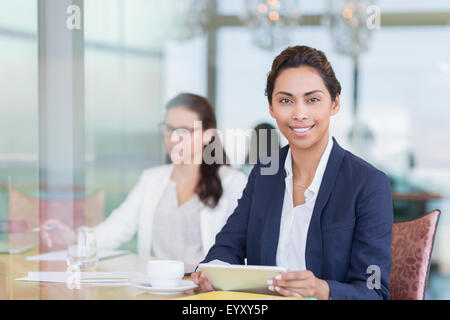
{"x":55,"y":234}
{"x":300,"y":284}
{"x":200,"y":279}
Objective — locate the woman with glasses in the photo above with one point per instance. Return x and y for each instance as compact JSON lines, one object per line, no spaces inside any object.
{"x":177,"y":209}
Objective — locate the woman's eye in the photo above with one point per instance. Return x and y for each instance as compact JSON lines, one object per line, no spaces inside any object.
{"x":285,"y":100}
{"x":314,"y":100}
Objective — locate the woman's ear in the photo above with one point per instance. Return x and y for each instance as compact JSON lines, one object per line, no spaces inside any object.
{"x":336,"y":105}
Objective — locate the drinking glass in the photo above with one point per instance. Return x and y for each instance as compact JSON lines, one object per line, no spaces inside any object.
{"x":82,"y":249}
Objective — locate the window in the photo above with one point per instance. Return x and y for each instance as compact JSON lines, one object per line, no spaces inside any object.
{"x":18,"y":100}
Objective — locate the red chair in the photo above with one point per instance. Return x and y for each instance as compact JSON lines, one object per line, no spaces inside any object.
{"x":412,"y":244}
{"x":88,"y":211}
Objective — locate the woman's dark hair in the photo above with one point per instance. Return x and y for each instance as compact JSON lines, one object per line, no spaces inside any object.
{"x":209,"y":188}
{"x":294,"y":57}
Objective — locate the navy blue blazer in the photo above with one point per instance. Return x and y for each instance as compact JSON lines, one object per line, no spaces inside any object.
{"x":350,"y":228}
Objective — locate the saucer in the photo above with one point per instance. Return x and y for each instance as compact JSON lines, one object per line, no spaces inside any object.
{"x":185,"y":285}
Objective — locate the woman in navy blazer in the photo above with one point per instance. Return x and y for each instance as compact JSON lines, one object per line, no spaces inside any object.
{"x":347,"y":254}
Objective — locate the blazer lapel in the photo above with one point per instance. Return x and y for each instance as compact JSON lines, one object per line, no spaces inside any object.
{"x":314,"y":238}
{"x":153,"y":193}
{"x":271,"y":230}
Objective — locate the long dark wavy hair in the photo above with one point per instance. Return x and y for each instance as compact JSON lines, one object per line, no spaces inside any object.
{"x":209,"y":188}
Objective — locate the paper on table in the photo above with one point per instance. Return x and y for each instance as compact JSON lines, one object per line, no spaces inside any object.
{"x":62,"y":255}
{"x":91,"y":278}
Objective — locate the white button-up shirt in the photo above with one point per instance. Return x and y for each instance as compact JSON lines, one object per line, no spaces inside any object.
{"x":176,"y":233}
{"x":295,"y":220}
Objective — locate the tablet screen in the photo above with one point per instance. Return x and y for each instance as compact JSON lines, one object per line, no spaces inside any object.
{"x":240,"y":277}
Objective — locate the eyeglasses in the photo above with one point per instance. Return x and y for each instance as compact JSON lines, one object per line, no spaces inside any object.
{"x":168,"y":129}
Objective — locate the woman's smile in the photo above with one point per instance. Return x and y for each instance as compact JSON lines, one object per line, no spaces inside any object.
{"x":301,"y":131}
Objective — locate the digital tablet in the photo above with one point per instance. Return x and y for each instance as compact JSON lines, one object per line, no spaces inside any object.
{"x":239,"y":277}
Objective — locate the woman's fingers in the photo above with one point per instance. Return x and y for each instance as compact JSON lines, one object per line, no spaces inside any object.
{"x":200,"y":279}
{"x":204,"y":283}
{"x":54,"y":233}
{"x":294,"y":284}
{"x":195,"y":277}
{"x":53,"y":223}
{"x":207,"y":287}
{"x":296,"y":275}
{"x":287,"y":292}
{"x":45,"y":227}
{"x":47,"y":239}
{"x":300,"y":284}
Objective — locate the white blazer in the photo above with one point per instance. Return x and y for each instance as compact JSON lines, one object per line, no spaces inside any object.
{"x":136,"y":212}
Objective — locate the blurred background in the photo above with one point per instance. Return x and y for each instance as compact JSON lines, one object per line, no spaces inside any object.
{"x":82,"y":92}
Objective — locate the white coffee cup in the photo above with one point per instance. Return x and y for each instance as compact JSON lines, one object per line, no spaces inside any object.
{"x":165,"y":273}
